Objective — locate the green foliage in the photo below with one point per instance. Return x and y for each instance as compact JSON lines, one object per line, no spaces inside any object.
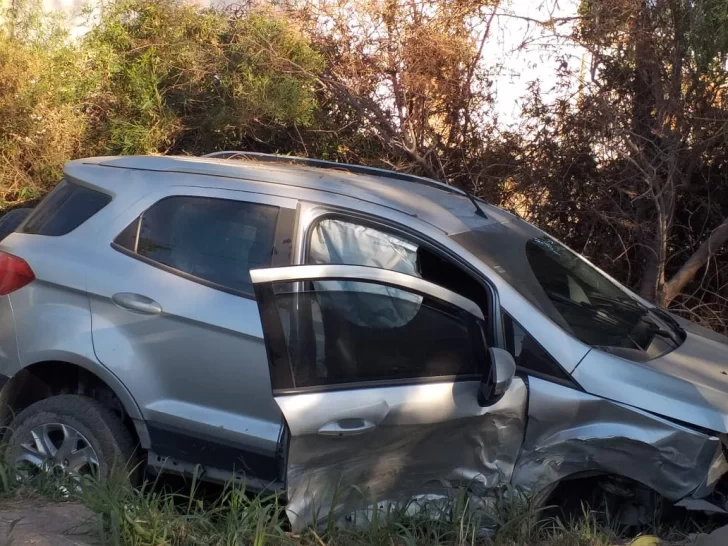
{"x":168,"y":513}
{"x":177,"y":78}
{"x":709,"y":32}
{"x":152,"y":515}
{"x":702,"y":25}
{"x":153,"y":76}
{"x":41,"y":100}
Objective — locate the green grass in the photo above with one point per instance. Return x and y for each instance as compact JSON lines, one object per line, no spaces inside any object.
{"x":156,"y":515}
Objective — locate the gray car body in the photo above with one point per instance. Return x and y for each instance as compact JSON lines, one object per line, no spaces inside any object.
{"x":197,"y":373}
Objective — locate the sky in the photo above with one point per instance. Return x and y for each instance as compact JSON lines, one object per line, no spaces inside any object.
{"x":527,"y":51}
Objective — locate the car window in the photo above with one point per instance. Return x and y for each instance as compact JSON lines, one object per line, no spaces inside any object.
{"x":529,"y":355}
{"x":215,"y":240}
{"x":334,"y":241}
{"x":328,"y":342}
{"x":338,"y":242}
{"x":342,"y":242}
{"x":571,"y":292}
{"x":64,"y":209}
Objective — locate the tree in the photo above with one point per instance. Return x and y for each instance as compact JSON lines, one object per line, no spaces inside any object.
{"x":177,"y":78}
{"x":673,"y":53}
{"x":634,"y":162}
{"x":412,"y":73}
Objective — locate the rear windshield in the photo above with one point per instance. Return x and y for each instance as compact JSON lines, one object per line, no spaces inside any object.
{"x":64,"y":209}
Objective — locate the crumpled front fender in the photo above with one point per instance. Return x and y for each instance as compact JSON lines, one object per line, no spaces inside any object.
{"x":571,"y":432}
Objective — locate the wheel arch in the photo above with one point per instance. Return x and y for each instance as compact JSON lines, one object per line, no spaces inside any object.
{"x":58,"y":372}
{"x":604,"y":492}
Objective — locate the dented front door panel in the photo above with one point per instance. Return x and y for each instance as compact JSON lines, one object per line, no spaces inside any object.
{"x":430,"y":440}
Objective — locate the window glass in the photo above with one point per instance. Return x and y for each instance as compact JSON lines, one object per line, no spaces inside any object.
{"x":573,"y":293}
{"x":528,"y":353}
{"x":64,"y":209}
{"x":331,"y":337}
{"x":128,"y":237}
{"x":215,"y":240}
{"x":339,"y":242}
{"x":343,"y":243}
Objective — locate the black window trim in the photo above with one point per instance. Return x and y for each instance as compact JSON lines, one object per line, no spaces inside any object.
{"x":521,"y":370}
{"x":493,"y":321}
{"x":284,"y":222}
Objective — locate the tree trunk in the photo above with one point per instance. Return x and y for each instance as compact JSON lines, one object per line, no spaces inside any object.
{"x":697,"y":261}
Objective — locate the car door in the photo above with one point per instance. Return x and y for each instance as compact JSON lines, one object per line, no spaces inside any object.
{"x":174,"y":317}
{"x":377,"y":374}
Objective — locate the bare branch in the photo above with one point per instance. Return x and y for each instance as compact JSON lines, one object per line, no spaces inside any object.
{"x":700,"y":257}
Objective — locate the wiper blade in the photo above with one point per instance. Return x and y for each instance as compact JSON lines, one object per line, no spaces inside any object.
{"x":624,"y":302}
{"x":664,"y":315}
{"x":668,"y":334}
{"x":677,"y":331}
{"x":595,"y":312}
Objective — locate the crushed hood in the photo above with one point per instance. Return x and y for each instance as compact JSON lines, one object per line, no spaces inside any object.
{"x":689,"y":384}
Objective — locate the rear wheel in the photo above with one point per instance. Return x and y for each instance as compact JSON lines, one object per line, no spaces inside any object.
{"x":70,"y":436}
{"x":11,"y":220}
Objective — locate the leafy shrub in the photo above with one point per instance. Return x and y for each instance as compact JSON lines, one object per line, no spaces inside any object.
{"x":42,"y":123}
{"x":152,"y":76}
{"x":177,"y":78}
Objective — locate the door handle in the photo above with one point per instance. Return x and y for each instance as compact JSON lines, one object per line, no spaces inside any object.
{"x":136,"y":303}
{"x":346,"y":427}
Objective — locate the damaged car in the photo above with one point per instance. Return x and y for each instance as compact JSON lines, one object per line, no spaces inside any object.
{"x":343,"y":334}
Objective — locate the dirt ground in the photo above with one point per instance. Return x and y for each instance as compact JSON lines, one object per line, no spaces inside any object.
{"x":38,"y":522}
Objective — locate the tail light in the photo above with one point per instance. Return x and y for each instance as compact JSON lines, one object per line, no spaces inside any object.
{"x":15,"y":273}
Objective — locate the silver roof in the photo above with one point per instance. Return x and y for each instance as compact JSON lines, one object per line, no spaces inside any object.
{"x":442,"y":206}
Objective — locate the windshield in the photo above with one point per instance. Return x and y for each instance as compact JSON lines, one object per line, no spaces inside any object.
{"x":573,"y":293}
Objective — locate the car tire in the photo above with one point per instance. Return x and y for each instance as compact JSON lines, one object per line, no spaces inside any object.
{"x":71,"y":424}
{"x":11,"y":220}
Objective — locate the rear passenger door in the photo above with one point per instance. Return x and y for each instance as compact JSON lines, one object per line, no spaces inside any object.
{"x":175,"y":318}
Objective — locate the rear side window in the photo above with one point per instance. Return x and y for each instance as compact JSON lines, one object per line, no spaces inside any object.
{"x":216,"y":241}
{"x":64,"y":209}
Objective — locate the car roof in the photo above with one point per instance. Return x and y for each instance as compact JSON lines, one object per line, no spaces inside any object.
{"x":442,"y":206}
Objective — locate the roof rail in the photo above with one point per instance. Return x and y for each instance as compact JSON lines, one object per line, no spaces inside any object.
{"x":322,"y":164}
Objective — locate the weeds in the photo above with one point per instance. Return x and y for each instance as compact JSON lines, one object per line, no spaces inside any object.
{"x":152,"y":515}
{"x":156,"y":514}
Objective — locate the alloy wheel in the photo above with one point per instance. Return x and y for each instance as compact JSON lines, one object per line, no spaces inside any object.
{"x":57,"y":449}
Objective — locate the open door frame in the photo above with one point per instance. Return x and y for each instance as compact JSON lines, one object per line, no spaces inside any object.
{"x":356,"y":445}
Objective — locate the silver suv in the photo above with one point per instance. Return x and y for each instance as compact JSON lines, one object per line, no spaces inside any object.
{"x":343,"y":334}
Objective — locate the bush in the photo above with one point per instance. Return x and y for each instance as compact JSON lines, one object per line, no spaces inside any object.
{"x":41,"y":100}
{"x":177,"y":78}
{"x":153,"y":76}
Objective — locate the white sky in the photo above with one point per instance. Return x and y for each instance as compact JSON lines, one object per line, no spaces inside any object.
{"x":527,"y":52}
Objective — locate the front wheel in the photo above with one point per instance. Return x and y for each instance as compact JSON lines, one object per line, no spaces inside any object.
{"x":72,"y":436}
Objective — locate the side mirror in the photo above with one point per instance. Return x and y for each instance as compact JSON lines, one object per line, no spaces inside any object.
{"x":505,"y":370}
{"x":495,"y":385}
